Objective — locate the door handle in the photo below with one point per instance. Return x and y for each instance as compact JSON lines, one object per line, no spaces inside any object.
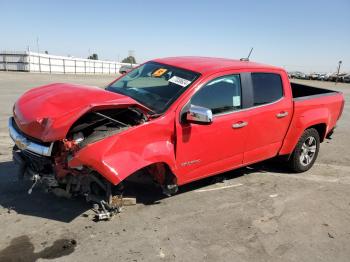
{"x":239,"y":124}
{"x":282,"y":114}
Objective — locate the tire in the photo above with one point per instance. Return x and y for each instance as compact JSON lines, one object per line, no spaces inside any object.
{"x":305,"y":152}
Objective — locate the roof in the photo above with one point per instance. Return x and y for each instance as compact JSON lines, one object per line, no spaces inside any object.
{"x":206,"y":65}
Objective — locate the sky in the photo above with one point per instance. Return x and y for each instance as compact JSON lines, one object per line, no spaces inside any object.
{"x":297,"y":35}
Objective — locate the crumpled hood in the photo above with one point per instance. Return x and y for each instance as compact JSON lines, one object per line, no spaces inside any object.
{"x":46,"y":113}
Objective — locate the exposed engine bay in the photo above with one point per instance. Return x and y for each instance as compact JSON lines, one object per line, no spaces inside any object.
{"x":53,"y":171}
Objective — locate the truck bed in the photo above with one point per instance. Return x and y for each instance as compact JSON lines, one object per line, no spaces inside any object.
{"x":301,"y":92}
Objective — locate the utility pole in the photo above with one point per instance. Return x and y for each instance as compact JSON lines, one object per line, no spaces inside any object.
{"x":339,"y":64}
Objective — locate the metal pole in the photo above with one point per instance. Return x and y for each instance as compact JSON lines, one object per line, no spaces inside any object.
{"x":5,"y":62}
{"x":64,"y":66}
{"x":339,"y":64}
{"x":75,"y":66}
{"x":50,"y":64}
{"x":85,"y":67}
{"x":28,"y":60}
{"x":39,"y":63}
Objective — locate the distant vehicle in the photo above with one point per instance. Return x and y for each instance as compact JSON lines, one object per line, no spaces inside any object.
{"x":336,"y":77}
{"x":298,"y":75}
{"x":322,"y":77}
{"x":125,"y":69}
{"x":341,"y":77}
{"x":346,"y":78}
{"x":325,"y":77}
{"x":314,"y":76}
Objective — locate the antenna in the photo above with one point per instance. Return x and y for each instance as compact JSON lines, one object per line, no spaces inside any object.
{"x":247,"y":58}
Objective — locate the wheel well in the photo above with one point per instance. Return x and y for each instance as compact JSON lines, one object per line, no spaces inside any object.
{"x":159,"y":172}
{"x":321,"y":129}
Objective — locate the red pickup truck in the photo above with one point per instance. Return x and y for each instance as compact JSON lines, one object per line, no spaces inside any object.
{"x":174,"y":120}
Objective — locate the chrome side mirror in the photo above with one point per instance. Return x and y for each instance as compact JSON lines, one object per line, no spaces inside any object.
{"x":198,"y":114}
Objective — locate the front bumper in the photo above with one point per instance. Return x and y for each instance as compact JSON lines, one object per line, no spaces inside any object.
{"x":24,"y":143}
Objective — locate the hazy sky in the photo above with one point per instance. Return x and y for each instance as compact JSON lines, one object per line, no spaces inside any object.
{"x":302,"y":35}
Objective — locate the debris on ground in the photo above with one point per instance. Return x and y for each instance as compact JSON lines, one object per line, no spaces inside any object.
{"x":330,"y":235}
{"x":105,"y":211}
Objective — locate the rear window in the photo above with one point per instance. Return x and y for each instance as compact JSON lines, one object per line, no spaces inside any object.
{"x":267,"y":88}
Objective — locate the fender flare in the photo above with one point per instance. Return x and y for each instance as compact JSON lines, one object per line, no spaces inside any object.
{"x":300,"y":123}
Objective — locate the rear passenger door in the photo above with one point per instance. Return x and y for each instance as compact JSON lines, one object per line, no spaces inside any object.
{"x":270,"y":116}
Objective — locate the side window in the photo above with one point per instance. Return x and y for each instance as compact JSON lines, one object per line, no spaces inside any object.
{"x":222,"y":94}
{"x":267,"y":88}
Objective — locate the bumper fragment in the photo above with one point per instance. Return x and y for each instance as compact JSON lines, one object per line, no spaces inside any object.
{"x":24,"y":143}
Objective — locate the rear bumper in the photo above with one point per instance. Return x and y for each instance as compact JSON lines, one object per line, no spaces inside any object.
{"x":23,"y":143}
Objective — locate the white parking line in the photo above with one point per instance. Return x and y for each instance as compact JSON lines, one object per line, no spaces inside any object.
{"x":217,"y":188}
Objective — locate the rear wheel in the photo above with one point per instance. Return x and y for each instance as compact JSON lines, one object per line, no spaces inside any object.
{"x":306,"y":151}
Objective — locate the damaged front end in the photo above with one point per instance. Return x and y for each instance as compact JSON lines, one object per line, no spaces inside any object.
{"x":47,"y":163}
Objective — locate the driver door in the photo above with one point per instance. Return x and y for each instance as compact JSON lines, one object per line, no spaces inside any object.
{"x":207,"y":149}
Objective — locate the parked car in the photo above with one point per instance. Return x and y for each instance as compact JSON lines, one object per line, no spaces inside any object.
{"x":346,"y":78}
{"x":125,"y":69}
{"x":336,"y":77}
{"x":314,"y":76}
{"x":175,"y":120}
{"x":325,"y":77}
{"x":321,"y":77}
{"x":342,"y":76}
{"x":298,"y":75}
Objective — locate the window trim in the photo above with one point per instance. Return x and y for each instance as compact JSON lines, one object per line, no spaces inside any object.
{"x":222,"y":76}
{"x":248,"y":108}
{"x":247,"y":94}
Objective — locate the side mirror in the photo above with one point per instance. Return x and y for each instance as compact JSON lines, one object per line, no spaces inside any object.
{"x":198,"y":114}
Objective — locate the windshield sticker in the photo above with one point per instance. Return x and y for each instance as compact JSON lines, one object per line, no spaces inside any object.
{"x":159,"y":72}
{"x":179,"y":81}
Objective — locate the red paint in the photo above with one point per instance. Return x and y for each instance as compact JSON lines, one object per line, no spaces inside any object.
{"x":47,"y":113}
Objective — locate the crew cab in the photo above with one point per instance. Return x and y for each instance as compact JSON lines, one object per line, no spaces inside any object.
{"x":174,"y":120}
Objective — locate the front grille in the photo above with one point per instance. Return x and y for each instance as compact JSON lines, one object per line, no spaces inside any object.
{"x":38,"y":163}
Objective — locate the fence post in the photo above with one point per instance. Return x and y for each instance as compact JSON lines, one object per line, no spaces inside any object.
{"x":85,"y":67}
{"x":5,"y":62}
{"x":64,"y":66}
{"x":75,"y":66}
{"x":109,"y":68}
{"x":28,"y":61}
{"x":50,"y":64}
{"x":39,"y":63}
{"x":94,"y":67}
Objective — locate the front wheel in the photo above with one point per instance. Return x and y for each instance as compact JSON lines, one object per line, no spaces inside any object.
{"x":306,"y":151}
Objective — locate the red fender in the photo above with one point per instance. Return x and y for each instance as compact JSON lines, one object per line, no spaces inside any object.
{"x":119,"y":156}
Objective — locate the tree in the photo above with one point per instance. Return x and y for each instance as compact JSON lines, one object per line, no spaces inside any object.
{"x":93,"y":57}
{"x":130,"y":60}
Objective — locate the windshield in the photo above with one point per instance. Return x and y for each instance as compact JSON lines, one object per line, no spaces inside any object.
{"x":154,"y":85}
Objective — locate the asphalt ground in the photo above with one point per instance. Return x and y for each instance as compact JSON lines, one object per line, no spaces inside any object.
{"x":258,"y":213}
